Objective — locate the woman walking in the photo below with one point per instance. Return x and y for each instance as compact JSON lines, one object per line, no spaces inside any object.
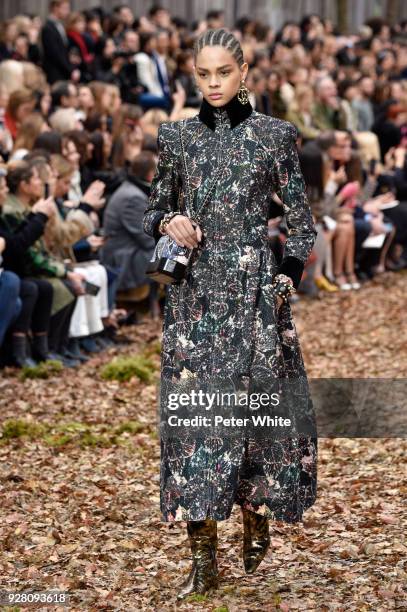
{"x":230,"y":316}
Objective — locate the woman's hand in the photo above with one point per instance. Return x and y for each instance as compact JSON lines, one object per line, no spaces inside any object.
{"x":76,"y":280}
{"x":179,"y":96}
{"x":389,"y":159}
{"x":399,"y":157}
{"x":183,"y":232}
{"x":47,"y":207}
{"x":374,"y":204}
{"x":338,"y":176}
{"x":376,"y":223}
{"x":94,"y":195}
{"x":95,"y":242}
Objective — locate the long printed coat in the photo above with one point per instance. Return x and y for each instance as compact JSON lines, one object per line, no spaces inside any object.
{"x":222,"y":318}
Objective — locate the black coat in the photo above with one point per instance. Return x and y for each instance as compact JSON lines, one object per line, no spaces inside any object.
{"x":55,"y":60}
{"x":19,"y":241}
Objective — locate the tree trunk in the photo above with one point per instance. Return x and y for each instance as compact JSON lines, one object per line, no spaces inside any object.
{"x":392,"y":11}
{"x":342,"y":15}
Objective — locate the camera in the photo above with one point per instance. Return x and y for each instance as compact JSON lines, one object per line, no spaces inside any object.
{"x":123,"y":54}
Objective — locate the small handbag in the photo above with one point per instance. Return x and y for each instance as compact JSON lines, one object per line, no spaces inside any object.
{"x":169,"y":262}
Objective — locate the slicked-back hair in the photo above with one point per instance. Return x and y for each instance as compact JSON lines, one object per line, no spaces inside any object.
{"x":222,"y":37}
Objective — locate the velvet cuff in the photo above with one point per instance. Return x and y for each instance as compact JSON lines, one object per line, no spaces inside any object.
{"x":292,"y":267}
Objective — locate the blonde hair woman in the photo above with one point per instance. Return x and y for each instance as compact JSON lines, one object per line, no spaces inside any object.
{"x":12,"y":75}
{"x":30,"y":129}
{"x":64,"y":120}
{"x":299,"y":111}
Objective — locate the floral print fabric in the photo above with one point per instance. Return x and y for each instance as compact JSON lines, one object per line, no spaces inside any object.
{"x":221,"y":320}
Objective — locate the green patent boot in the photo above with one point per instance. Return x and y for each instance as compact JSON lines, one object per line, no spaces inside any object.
{"x":256,"y":539}
{"x":203,"y":576}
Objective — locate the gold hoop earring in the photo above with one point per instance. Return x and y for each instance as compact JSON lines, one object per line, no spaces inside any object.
{"x":243,"y":93}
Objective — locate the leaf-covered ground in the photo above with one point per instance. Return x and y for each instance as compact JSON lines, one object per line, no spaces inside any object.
{"x":79,"y":484}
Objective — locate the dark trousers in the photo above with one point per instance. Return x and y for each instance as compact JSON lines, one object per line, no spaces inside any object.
{"x":10,"y":303}
{"x":59,"y":326}
{"x":36,"y":298}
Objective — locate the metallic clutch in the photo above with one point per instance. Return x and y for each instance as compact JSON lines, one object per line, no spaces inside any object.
{"x":169,"y":262}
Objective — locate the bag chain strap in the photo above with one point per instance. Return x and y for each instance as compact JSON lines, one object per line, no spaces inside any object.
{"x":217,"y":174}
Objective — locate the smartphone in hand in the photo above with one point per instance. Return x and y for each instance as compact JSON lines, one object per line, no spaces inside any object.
{"x":91,"y":288}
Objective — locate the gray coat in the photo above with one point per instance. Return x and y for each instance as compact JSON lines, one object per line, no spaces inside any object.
{"x":127,"y":245}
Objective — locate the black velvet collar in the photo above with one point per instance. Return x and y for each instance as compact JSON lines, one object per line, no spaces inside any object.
{"x":236,"y":111}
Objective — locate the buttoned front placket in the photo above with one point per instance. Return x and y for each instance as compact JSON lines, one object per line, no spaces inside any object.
{"x":222,"y":124}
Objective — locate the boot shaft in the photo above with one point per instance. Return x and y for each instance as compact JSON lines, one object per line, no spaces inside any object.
{"x":203,"y":540}
{"x":19,"y":352}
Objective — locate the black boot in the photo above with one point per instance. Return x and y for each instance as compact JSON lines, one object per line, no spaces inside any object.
{"x":203,"y":540}
{"x":19,"y":355}
{"x":40,"y":348}
{"x":74,"y":351}
{"x":256,"y":539}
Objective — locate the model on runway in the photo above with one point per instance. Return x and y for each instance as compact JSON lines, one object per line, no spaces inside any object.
{"x":230,"y":316}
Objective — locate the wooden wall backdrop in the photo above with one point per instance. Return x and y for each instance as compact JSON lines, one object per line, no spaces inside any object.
{"x":274,"y":12}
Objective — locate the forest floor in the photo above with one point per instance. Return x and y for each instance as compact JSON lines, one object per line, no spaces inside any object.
{"x":79,"y":484}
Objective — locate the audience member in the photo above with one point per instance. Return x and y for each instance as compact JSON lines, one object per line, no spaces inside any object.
{"x":82,"y":96}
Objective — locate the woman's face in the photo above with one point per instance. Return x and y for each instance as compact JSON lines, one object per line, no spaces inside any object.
{"x":306,"y":101}
{"x":351,"y":93}
{"x":45,"y":103}
{"x":261,"y":86}
{"x":3,"y":97}
{"x":115,"y":101}
{"x":89,"y":150}
{"x":106,"y":100}
{"x":11,"y":32}
{"x":273,"y":82}
{"x":85,"y":98}
{"x":70,"y":152}
{"x":133,"y":131}
{"x":79,"y":26}
{"x":107,"y":144}
{"x":62,"y":185}
{"x":300,"y":76}
{"x":218,"y":75}
{"x":34,"y":187}
{"x":95,"y":28}
{"x":109,"y":49}
{"x":50,"y":177}
{"x":21,"y":46}
{"x":24,"y":110}
{"x":388,"y":62}
{"x":396,"y":91}
{"x":367,"y":86}
{"x":342,"y":150}
{"x":44,"y":127}
{"x":188,"y":66}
